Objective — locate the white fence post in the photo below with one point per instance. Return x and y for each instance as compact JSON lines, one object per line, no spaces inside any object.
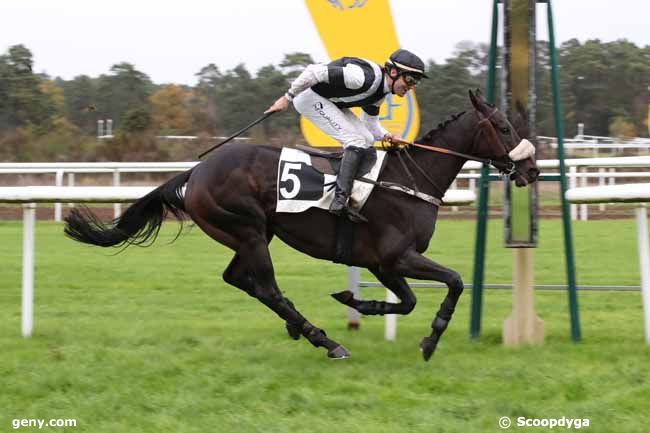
{"x":584,"y":212}
{"x":354,"y":276}
{"x":29,"y":221}
{"x":390,"y":326}
{"x":601,"y":182}
{"x":117,"y":207}
{"x":58,"y":181}
{"x":573,"y":182}
{"x":644,"y":264}
{"x":454,"y":185}
{"x":70,"y":183}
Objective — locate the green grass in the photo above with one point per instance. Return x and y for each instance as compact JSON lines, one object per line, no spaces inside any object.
{"x":152,"y":340}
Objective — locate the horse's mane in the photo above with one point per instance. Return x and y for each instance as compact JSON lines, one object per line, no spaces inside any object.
{"x":431,"y":135}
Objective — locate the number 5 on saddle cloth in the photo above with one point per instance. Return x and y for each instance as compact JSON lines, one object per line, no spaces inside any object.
{"x":307,"y":180}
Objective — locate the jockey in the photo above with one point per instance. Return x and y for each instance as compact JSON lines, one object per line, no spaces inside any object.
{"x":324,"y":93}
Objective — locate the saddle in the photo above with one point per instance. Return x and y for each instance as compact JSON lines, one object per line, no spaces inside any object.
{"x":330,"y":162}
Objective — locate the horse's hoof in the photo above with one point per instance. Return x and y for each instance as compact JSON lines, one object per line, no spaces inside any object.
{"x":428,"y":346}
{"x":343,"y":297}
{"x":293,"y":331}
{"x":339,"y":352}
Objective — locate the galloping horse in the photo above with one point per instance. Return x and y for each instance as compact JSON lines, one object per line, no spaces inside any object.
{"x":232,"y":197}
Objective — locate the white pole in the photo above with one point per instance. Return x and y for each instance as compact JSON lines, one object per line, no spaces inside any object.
{"x":390,"y":326}
{"x":454,"y":185}
{"x":117,"y":207}
{"x":354,"y":276}
{"x":573,"y":182}
{"x":601,"y":182}
{"x":100,"y":128}
{"x":584,"y":215}
{"x":57,"y":206}
{"x":70,"y":183}
{"x":472,"y":181}
{"x":29,"y":218}
{"x":644,"y":264}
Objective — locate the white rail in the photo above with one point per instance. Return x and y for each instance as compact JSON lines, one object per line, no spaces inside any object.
{"x":31,"y":195}
{"x":577,"y":173}
{"x":630,"y":193}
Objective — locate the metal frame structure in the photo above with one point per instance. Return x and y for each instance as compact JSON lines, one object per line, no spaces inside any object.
{"x":482,"y":214}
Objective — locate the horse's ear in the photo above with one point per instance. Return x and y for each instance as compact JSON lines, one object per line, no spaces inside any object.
{"x":479,"y":94}
{"x":474,"y":99}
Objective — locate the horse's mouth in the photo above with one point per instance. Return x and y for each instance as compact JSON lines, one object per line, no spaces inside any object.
{"x":524,"y":179}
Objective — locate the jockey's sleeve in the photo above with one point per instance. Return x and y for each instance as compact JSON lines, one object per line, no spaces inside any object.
{"x":349,"y":76}
{"x":372,"y":122}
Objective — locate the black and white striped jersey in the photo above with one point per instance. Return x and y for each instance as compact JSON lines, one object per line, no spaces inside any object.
{"x":347,"y":82}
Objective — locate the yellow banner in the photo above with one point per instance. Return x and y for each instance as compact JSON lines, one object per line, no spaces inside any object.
{"x":362,"y":28}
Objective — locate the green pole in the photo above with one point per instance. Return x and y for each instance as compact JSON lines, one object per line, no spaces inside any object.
{"x":484,"y":191}
{"x":559,"y":127}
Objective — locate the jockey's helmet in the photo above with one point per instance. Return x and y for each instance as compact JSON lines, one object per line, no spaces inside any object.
{"x":406,"y":63}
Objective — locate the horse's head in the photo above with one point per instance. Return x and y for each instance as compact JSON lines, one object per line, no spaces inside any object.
{"x":496,"y":139}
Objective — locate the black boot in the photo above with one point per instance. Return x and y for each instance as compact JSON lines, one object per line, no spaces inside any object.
{"x":352,"y":158}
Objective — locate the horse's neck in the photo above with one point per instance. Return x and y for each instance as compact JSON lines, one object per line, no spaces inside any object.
{"x":443,"y":168}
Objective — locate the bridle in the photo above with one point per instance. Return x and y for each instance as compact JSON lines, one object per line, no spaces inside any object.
{"x":506,"y":167}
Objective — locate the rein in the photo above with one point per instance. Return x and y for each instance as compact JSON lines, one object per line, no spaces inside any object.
{"x":505,"y":167}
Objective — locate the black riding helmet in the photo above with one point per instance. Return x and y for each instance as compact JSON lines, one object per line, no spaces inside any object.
{"x":406,"y":63}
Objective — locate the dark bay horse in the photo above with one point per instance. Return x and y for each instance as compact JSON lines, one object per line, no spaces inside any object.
{"x":232,"y":196}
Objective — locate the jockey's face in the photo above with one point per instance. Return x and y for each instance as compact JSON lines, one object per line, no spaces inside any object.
{"x":400,"y":84}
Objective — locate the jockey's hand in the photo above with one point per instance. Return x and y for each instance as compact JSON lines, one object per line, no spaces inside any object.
{"x":389,"y":138}
{"x":280,"y":105}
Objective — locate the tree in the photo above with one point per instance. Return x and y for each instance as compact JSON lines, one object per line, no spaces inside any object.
{"x":125,"y":89}
{"x":22,"y":99}
{"x":80,"y":102}
{"x":170,"y":113}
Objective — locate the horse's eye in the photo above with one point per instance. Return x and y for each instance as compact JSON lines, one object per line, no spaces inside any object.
{"x":505,"y":130}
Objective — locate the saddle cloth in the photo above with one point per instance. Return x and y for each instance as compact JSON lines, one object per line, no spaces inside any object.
{"x":301,"y":186}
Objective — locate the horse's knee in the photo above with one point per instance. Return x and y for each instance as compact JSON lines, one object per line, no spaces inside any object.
{"x":455,"y":283}
{"x":408,"y":303}
{"x":242,"y":281}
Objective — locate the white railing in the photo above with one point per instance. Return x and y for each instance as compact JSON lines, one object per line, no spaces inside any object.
{"x":578,"y":173}
{"x":31,"y":195}
{"x":631,"y":193}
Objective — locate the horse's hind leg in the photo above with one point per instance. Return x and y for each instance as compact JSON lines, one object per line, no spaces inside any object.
{"x":392,"y":282}
{"x":239,"y":276}
{"x":254,"y":252}
{"x":414,"y":265}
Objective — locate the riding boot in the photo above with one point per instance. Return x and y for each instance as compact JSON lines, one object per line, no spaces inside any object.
{"x":352,"y":158}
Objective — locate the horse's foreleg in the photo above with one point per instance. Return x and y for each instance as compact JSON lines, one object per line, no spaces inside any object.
{"x":257,"y":258}
{"x":392,"y":282}
{"x":414,"y":265}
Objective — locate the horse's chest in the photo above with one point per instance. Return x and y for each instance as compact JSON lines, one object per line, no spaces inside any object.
{"x":425,"y":224}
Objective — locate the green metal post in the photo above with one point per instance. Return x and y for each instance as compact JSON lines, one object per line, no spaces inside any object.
{"x":484,"y":191}
{"x":559,"y":127}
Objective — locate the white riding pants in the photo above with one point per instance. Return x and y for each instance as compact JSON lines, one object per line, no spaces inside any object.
{"x":339,"y":123}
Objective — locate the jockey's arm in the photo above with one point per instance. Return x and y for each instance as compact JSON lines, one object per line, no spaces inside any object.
{"x":370,"y":117}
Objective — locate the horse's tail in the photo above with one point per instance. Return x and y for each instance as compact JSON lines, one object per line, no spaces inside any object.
{"x":138,"y":225}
